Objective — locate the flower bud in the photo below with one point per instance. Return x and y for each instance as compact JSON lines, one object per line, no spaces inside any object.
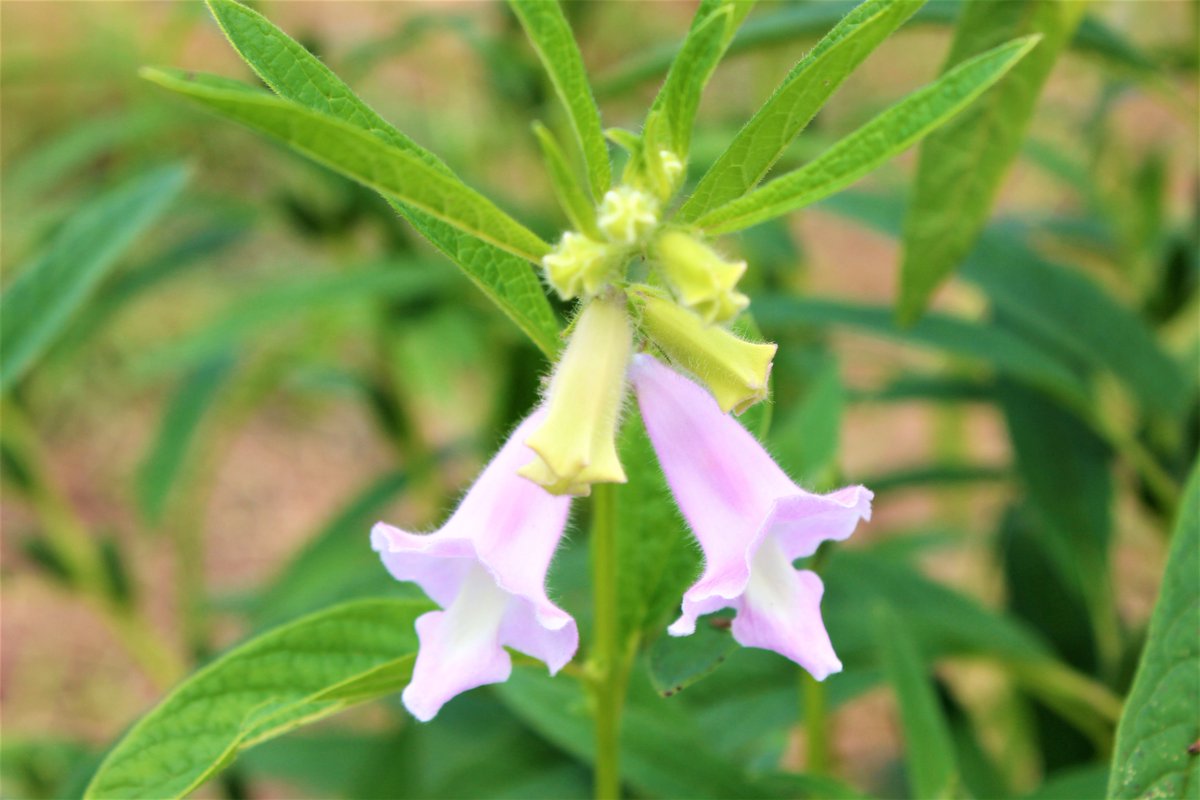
{"x":672,"y":167}
{"x":576,"y":445}
{"x":579,"y":266}
{"x":700,"y":278}
{"x":664,"y":172}
{"x":627,"y":215}
{"x":734,"y":370}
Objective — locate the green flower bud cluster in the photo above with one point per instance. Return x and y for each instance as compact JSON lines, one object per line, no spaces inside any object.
{"x":681,"y":317}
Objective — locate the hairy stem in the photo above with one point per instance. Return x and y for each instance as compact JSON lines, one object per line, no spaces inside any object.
{"x":605,"y":663}
{"x":816,"y":725}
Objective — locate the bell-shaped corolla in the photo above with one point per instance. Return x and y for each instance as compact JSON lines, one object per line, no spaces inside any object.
{"x":701,"y":279}
{"x":733,"y":369}
{"x":576,"y":445}
{"x":751,"y":520}
{"x":486,"y":568}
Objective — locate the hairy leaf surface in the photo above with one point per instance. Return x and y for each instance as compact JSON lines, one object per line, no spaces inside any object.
{"x":1159,"y":725}
{"x":886,"y":135}
{"x":551,"y":37}
{"x":961,"y":165}
{"x":278,"y":681}
{"x":810,"y":83}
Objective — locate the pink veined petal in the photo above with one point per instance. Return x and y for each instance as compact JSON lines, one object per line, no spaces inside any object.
{"x":497,"y":545}
{"x":722,"y":479}
{"x":738,"y":503}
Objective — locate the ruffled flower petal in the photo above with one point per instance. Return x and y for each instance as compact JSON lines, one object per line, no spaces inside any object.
{"x":486,"y":567}
{"x":751,"y":520}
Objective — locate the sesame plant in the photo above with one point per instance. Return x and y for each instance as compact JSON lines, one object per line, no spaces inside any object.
{"x":644,"y":591}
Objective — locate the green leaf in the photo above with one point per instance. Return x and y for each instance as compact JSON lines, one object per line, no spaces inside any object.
{"x":1073,"y":311}
{"x":805,"y":442}
{"x":164,"y":464}
{"x":662,"y":753}
{"x":37,"y":305}
{"x":1060,"y":305}
{"x":288,"y":677}
{"x":802,"y":21}
{"x":574,"y":202}
{"x":961,"y":165}
{"x":60,"y":156}
{"x":358,"y":154}
{"x":1159,"y":723}
{"x":883,"y":137}
{"x":551,"y":37}
{"x":713,"y":27}
{"x":498,"y":268}
{"x":1065,"y":467}
{"x":1087,"y":781}
{"x":295,"y":74}
{"x":194,"y":250}
{"x":979,"y":341}
{"x":938,"y":476}
{"x":943,"y":621}
{"x":810,"y":83}
{"x":295,"y":300}
{"x":504,"y":760}
{"x":677,"y":662}
{"x":929,"y":751}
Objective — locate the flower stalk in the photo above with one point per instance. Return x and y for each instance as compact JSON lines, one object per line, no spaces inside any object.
{"x":605,"y":665}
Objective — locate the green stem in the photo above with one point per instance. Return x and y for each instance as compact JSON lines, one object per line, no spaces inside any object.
{"x":605,"y":661}
{"x":816,"y":725}
{"x":816,"y":710}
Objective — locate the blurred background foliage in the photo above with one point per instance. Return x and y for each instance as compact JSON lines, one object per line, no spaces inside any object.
{"x":251,"y":359}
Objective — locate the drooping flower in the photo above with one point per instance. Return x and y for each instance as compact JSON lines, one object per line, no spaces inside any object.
{"x":576,"y":445}
{"x":486,"y":567}
{"x":751,"y":520}
{"x":733,"y":369}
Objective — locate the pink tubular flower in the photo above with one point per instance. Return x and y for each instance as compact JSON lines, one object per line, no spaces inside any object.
{"x":486,"y":567}
{"x":751,"y":521}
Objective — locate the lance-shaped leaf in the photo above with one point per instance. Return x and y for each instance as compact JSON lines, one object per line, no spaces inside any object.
{"x":793,"y":105}
{"x":295,"y":74}
{"x":40,"y":301}
{"x":929,"y":751}
{"x":288,"y":677}
{"x":1064,"y":306}
{"x":571,"y":197}
{"x":961,"y":165}
{"x":1156,"y":740}
{"x":712,"y":29}
{"x":988,"y":343}
{"x":883,"y":137}
{"x":551,"y":37}
{"x":357,"y":154}
{"x":796,"y":22}
{"x":165,"y":464}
